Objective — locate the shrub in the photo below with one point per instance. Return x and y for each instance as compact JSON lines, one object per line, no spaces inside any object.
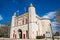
{"x":40,"y":37}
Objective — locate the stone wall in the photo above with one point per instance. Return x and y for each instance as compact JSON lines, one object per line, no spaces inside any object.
{"x":29,"y":39}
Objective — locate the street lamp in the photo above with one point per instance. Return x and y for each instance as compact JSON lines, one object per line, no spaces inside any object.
{"x":52,"y":32}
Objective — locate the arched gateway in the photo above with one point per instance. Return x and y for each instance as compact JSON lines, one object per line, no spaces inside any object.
{"x":20,"y":33}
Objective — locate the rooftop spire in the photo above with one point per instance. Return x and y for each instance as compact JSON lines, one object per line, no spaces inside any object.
{"x":31,"y":5}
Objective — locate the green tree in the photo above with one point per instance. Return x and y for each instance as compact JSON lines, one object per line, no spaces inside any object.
{"x":57,"y":20}
{"x":5,"y":30}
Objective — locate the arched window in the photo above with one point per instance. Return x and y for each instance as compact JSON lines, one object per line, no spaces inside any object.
{"x":14,"y":35}
{"x":23,"y":22}
{"x":50,"y":24}
{"x":27,"y":33}
{"x":37,"y":33}
{"x":26,"y":21}
{"x":43,"y":35}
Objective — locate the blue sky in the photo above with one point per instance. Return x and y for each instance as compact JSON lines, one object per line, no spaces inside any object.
{"x":44,"y":8}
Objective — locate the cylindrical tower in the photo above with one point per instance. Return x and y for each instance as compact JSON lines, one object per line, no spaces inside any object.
{"x":47,"y":28}
{"x":13,"y":25}
{"x":32,"y":21}
{"x":32,"y":13}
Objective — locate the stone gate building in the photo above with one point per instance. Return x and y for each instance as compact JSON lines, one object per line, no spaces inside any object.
{"x":29,"y":25}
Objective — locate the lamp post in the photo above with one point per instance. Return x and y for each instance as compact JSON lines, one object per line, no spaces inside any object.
{"x":52,"y":32}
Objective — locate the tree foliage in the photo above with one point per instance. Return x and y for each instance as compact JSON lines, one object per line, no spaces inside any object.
{"x":5,"y":30}
{"x":57,"y":20}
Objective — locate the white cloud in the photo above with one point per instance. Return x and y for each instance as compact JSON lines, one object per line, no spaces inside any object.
{"x":49,"y":15}
{"x":54,"y":24}
{"x":1,"y":17}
